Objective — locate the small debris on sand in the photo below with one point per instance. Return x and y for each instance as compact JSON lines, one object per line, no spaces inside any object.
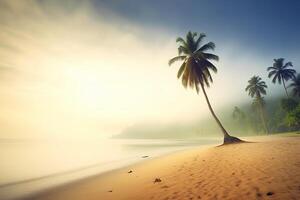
{"x":270,"y":193}
{"x":145,"y":156}
{"x":130,"y":171}
{"x":157,"y":180}
{"x":109,"y":191}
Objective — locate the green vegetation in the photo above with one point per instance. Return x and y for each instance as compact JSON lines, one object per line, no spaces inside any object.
{"x":295,"y":85}
{"x":293,"y":118}
{"x":195,"y":69}
{"x":284,"y":115}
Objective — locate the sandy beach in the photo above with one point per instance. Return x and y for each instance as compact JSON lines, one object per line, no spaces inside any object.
{"x":268,"y":168}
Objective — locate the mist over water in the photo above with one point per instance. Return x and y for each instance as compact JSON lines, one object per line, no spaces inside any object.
{"x":29,"y":166}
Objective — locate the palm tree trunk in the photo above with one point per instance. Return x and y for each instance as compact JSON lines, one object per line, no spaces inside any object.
{"x":263,"y":116}
{"x":285,"y":88}
{"x":227,"y":137}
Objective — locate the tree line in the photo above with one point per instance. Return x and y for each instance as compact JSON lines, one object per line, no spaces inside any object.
{"x":284,"y":116}
{"x":196,"y":69}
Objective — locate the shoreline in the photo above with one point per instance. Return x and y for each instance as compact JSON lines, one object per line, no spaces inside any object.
{"x":111,"y":172}
{"x":270,"y":166}
{"x":197,"y":174}
{"x":123,"y":169}
{"x":67,"y":178}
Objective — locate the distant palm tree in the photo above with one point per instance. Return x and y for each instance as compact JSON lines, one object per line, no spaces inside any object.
{"x":281,"y":72}
{"x":295,"y":85}
{"x":257,"y":101}
{"x":238,"y":114}
{"x":195,"y":69}
{"x":256,"y":88}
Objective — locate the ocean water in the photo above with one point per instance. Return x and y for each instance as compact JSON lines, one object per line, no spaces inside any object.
{"x":31,"y":166}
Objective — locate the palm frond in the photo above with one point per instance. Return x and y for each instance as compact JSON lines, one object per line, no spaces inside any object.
{"x":205,"y":79}
{"x":269,"y":68}
{"x":211,"y":56}
{"x":207,"y":46}
{"x":248,"y":87}
{"x":208,"y":75}
{"x":182,"y":49}
{"x":177,"y":58}
{"x":288,"y":64}
{"x":279,"y":78}
{"x":275,"y":78}
{"x":271,"y":73}
{"x":181,"y":41}
{"x":200,"y":38}
{"x":209,"y":65}
{"x":181,"y":69}
{"x":263,"y":91}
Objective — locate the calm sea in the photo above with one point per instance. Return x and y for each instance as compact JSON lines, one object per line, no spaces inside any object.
{"x":28,"y":167}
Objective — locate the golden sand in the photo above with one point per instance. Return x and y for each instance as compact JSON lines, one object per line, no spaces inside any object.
{"x":266,"y":169}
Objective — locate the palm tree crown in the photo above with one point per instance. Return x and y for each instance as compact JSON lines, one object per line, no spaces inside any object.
{"x":196,"y":65}
{"x":281,"y":72}
{"x":296,"y":85}
{"x":256,"y":87}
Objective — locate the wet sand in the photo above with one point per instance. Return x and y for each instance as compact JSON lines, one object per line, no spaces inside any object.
{"x":269,"y":168}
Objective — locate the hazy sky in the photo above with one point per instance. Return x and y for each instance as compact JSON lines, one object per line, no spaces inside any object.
{"x":73,"y":69}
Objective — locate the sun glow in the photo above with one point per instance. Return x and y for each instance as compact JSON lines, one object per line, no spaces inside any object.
{"x":84,"y":86}
{"x":67,"y":74}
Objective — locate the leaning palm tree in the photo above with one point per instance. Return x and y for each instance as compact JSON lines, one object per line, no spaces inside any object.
{"x":195,"y":70}
{"x":280,"y":71}
{"x":256,"y":88}
{"x":295,"y":85}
